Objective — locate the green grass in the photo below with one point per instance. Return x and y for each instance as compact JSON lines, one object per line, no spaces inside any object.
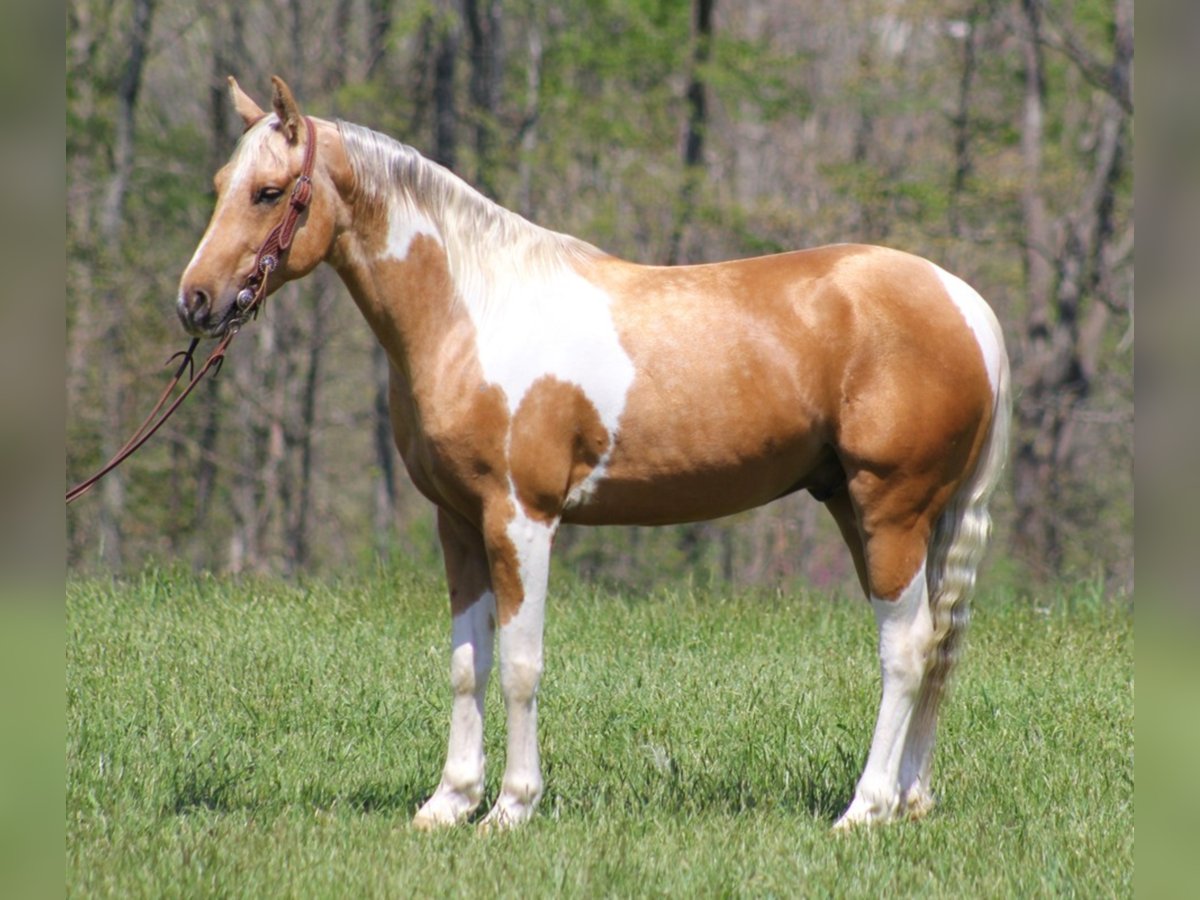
{"x":252,"y":738}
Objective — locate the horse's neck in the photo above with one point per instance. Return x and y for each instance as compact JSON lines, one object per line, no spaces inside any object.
{"x":429,"y":260}
{"x":405,"y":292}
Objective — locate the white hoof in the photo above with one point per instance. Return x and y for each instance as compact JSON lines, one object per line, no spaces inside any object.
{"x":864,"y":810}
{"x":509,"y":812}
{"x":918,"y":803}
{"x":446,"y":808}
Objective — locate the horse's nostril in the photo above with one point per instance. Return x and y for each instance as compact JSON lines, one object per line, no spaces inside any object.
{"x":197,"y":302}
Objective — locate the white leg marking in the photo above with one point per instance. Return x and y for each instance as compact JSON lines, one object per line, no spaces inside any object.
{"x":520,"y":672}
{"x":461,"y":787}
{"x":916,"y":795}
{"x":905,"y":632}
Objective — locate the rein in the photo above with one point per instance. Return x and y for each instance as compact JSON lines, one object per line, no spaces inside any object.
{"x":246,"y":307}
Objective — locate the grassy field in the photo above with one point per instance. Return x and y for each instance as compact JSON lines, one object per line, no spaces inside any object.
{"x":257,"y":739}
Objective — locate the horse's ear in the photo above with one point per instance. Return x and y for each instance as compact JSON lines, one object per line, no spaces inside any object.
{"x":250,"y":111}
{"x":286,"y":108}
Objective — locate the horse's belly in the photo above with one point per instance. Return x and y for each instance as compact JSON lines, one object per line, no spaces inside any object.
{"x":696,"y":493}
{"x":702,"y":466}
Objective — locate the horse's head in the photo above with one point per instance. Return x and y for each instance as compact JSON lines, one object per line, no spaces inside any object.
{"x":254,"y":195}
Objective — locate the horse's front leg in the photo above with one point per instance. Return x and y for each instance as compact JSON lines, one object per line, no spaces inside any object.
{"x":473,"y":608}
{"x":519,"y":550}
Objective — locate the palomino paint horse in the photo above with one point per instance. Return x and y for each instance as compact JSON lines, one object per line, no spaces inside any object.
{"x":536,"y":380}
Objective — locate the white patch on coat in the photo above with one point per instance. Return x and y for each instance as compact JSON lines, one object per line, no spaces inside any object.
{"x":405,"y":224}
{"x":981,"y":320}
{"x":556,"y":324}
{"x":562,"y":327}
{"x":532,"y":541}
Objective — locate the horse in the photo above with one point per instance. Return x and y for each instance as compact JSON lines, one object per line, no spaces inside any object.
{"x":536,"y":380}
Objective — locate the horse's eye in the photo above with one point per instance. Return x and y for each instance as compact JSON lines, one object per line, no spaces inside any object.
{"x":268,"y":195}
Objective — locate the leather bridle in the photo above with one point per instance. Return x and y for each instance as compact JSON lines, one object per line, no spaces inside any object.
{"x":254,"y":288}
{"x":246,"y":306}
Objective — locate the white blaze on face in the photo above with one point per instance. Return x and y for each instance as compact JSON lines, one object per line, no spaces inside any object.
{"x":981,"y":320}
{"x":246,"y":162}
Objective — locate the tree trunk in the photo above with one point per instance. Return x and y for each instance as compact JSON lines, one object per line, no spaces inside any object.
{"x":112,"y":489}
{"x":445,"y":110}
{"x":339,"y":69}
{"x":385,"y":457}
{"x":229,"y":48}
{"x":961,"y":121}
{"x":128,"y":89}
{"x":299,"y":526}
{"x":378,"y":28}
{"x":529,"y":126}
{"x":482,"y":19}
{"x":694,"y":129}
{"x":1067,"y":273}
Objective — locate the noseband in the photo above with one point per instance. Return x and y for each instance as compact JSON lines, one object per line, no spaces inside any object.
{"x":246,"y":306}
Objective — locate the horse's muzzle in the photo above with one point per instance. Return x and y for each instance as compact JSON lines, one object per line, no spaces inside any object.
{"x":197,"y":313}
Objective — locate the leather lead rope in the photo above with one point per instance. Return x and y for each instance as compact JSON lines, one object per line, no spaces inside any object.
{"x":151,"y":424}
{"x":249,"y":299}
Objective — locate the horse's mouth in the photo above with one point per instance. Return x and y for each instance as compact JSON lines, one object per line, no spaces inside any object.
{"x":207,"y":325}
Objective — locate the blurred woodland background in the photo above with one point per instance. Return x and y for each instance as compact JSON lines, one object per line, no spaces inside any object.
{"x":992,"y":136}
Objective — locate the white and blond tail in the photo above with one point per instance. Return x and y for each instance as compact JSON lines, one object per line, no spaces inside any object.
{"x":960,"y":538}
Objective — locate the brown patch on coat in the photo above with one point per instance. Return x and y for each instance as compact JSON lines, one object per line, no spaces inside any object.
{"x":557,"y":441}
{"x":503,"y":560}
{"x":449,"y":424}
{"x":465,"y":558}
{"x":728,"y":410}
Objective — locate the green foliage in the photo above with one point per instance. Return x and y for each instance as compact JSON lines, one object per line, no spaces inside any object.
{"x":259,"y":738}
{"x":752,"y":73}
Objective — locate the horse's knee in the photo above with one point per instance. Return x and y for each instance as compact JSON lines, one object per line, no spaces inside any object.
{"x":519,"y":677}
{"x":472,"y":635}
{"x":903,"y":656}
{"x":468,"y":669}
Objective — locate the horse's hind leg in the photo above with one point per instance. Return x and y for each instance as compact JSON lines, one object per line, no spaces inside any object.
{"x":473,"y":607}
{"x":916,"y":799}
{"x":916,"y":795}
{"x":895,"y":565}
{"x":842,"y":510}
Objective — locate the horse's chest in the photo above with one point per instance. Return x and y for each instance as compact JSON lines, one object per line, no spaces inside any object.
{"x":451,"y":439}
{"x":521,"y":420}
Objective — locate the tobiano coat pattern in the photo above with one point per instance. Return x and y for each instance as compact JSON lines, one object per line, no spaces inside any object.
{"x":537,"y":380}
